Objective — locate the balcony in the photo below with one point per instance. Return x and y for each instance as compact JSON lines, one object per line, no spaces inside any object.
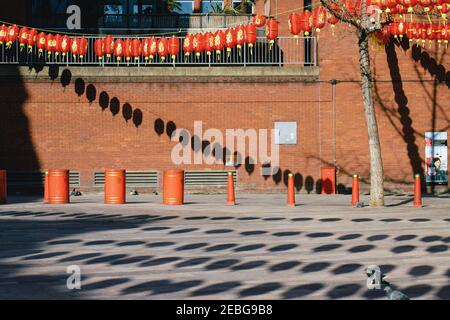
{"x":286,"y":52}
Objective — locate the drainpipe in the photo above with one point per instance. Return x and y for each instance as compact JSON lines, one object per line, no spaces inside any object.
{"x":333,"y":101}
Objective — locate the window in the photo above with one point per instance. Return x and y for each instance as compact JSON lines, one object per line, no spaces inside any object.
{"x":209,"y":5}
{"x":113,"y":13}
{"x":186,"y":7}
{"x":287,"y":132}
{"x":146,"y":9}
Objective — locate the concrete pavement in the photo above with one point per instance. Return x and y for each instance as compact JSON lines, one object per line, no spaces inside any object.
{"x":259,"y":249}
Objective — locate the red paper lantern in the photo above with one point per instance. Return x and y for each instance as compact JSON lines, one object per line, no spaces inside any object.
{"x":3,"y":33}
{"x":295,"y":24}
{"x":146,"y":48}
{"x":272,"y":31}
{"x":163,"y":45}
{"x":426,"y":5}
{"x":75,"y":47}
{"x":388,"y":5}
{"x":400,"y":9}
{"x":209,"y":43}
{"x":66,"y":44}
{"x":188,"y":44}
{"x":118,"y":49}
{"x":230,"y":40}
{"x":331,"y":19}
{"x":99,"y":48}
{"x":58,"y":41}
{"x":32,"y":38}
{"x":240,"y":37}
{"x":416,"y":31}
{"x":199,"y":44}
{"x":250,"y":36}
{"x":259,"y":21}
{"x":153,"y":48}
{"x":430,"y":33}
{"x":41,"y":42}
{"x":438,"y":31}
{"x":319,"y":18}
{"x":127,"y":49}
{"x":136,"y":49}
{"x":174,"y":47}
{"x":401,"y":29}
{"x":423,"y":33}
{"x":410,"y":31}
{"x":108,"y":44}
{"x":410,"y":4}
{"x":83,"y":47}
{"x":23,"y":37}
{"x":306,"y":19}
{"x":446,"y":35}
{"x":219,"y":41}
{"x":12,"y":35}
{"x":444,"y":8}
{"x":51,"y":45}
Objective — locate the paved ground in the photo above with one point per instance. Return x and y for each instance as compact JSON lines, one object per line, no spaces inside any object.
{"x":258,"y":249}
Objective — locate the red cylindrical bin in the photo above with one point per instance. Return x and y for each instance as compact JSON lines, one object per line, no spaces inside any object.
{"x":173,"y":187}
{"x":115,"y":186}
{"x":2,"y":186}
{"x":58,"y":186}
{"x":329,"y":180}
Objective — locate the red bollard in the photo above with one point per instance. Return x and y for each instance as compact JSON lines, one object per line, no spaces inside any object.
{"x":355,"y":190}
{"x":115,"y":186}
{"x":417,"y":192}
{"x":173,"y":187}
{"x":230,"y":198}
{"x":58,"y":186}
{"x":3,"y":190}
{"x":46,"y":187}
{"x":291,"y":191}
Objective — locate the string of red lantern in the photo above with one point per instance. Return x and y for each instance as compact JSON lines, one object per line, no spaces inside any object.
{"x":304,"y":23}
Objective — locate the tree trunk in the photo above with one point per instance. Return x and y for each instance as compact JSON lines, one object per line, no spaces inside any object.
{"x":376,"y":162}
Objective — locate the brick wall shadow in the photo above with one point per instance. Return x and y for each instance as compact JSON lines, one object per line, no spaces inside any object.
{"x":17,"y":151}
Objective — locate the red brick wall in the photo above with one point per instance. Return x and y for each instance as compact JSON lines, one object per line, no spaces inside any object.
{"x":65,"y":130}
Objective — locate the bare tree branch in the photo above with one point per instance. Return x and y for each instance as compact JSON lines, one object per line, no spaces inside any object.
{"x":344,"y":15}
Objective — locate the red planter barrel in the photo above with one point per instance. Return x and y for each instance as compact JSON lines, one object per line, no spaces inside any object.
{"x":2,"y":186}
{"x":58,"y":186}
{"x":173,"y":187}
{"x":328,"y":180}
{"x":115,"y":180}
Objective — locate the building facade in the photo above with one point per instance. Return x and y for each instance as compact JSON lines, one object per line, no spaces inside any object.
{"x":88,"y":118}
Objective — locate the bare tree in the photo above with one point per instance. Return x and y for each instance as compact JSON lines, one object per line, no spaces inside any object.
{"x":363,"y":25}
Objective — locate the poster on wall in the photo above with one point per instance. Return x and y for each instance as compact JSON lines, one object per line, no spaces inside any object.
{"x":436,"y":158}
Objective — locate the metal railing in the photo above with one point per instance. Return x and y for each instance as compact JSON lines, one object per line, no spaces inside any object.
{"x":286,"y":51}
{"x":123,"y":23}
